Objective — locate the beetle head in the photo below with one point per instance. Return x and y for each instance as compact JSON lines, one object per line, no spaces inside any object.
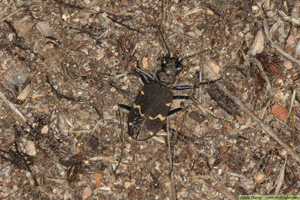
{"x":170,"y":67}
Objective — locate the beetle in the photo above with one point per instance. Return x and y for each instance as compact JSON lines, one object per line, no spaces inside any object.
{"x":152,"y":105}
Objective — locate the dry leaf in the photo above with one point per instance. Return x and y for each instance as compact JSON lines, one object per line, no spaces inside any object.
{"x":97,"y":177}
{"x":280,"y":112}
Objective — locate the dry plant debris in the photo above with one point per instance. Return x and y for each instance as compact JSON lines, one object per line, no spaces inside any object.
{"x":66,"y":65}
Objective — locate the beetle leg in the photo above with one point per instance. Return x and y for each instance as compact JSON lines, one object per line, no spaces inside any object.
{"x":124,"y":107}
{"x":183,"y":87}
{"x":186,"y":87}
{"x":171,"y":112}
{"x":145,"y":77}
{"x":181,"y":97}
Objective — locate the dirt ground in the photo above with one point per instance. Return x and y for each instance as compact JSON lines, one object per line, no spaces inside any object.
{"x":66,"y":65}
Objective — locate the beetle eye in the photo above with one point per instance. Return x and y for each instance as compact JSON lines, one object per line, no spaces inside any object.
{"x":179,"y":67}
{"x":164,"y":61}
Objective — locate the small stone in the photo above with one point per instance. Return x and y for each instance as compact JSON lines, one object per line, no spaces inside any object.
{"x":255,"y":8}
{"x":44,"y":28}
{"x":247,"y":184}
{"x":291,"y":40}
{"x":279,"y":82}
{"x":211,"y":70}
{"x":113,"y":89}
{"x":279,"y":96}
{"x":127,"y":185}
{"x":65,"y":17}
{"x":30,"y":148}
{"x":100,"y":54}
{"x":270,"y":14}
{"x":124,"y":87}
{"x":144,"y":63}
{"x":258,"y":44}
{"x":45,"y":129}
{"x":283,"y":152}
{"x":210,"y":12}
{"x":167,"y":184}
{"x":115,"y":107}
{"x":259,"y":177}
{"x":288,"y":64}
{"x":87,"y":192}
{"x":197,"y":68}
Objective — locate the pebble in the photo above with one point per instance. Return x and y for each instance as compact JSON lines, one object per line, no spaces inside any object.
{"x":127,"y":185}
{"x":100,"y":54}
{"x":259,"y":177}
{"x":45,"y":129}
{"x":144,"y":63}
{"x":247,"y":184}
{"x":211,"y":70}
{"x":291,"y":40}
{"x":30,"y":148}
{"x":113,"y":89}
{"x":87,"y":192}
{"x":258,"y":44}
{"x":288,"y":64}
{"x":44,"y":28}
{"x":279,"y":96}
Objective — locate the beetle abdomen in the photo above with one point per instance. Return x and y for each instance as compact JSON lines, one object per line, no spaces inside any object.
{"x":149,"y":111}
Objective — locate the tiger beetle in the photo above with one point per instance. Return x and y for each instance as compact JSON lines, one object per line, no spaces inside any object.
{"x":152,"y":105}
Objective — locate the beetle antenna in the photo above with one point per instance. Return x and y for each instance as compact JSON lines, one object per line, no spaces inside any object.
{"x":195,"y":54}
{"x":165,"y":43}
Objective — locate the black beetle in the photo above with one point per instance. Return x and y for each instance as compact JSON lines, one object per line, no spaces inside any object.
{"x":152,"y":105}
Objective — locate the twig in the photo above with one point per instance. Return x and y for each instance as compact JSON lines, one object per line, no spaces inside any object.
{"x":223,"y":190}
{"x":2,"y":13}
{"x":281,"y":177}
{"x":267,"y":33}
{"x":11,"y":14}
{"x":293,"y":127}
{"x":292,"y":102}
{"x":171,"y":163}
{"x":288,"y":18}
{"x":12,"y":106}
{"x":266,"y":29}
{"x":267,"y":128}
{"x":104,"y":158}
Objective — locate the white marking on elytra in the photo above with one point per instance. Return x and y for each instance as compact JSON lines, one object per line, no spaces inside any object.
{"x":162,"y":118}
{"x":139,"y":108}
{"x":168,"y":104}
